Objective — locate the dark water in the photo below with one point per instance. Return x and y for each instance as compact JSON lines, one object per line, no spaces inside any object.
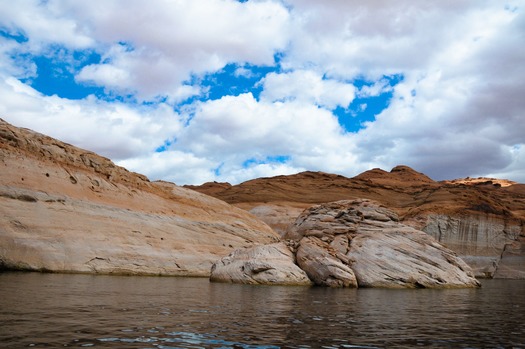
{"x":53,"y":310}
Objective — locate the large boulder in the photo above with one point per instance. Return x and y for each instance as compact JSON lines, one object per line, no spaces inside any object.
{"x":363,"y":238}
{"x":266,"y":264}
{"x":350,"y":243}
{"x":323,"y":264}
{"x":405,"y":257}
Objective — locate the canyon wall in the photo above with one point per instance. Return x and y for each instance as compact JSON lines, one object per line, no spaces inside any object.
{"x":490,"y":244}
{"x":66,"y":209}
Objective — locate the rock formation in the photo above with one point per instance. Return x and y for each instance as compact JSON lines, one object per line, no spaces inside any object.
{"x":357,"y":243}
{"x":323,"y":264}
{"x":481,"y":240}
{"x":64,"y":209}
{"x":69,"y":210}
{"x":481,"y":219}
{"x":272,"y":264}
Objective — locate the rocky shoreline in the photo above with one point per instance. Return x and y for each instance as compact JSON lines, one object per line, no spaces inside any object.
{"x":482,"y":220}
{"x":65,"y":209}
{"x":352,"y":243}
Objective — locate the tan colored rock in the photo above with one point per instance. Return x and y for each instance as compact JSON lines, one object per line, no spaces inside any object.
{"x":353,"y":243}
{"x":479,"y":239}
{"x":64,"y":209}
{"x":272,"y":264}
{"x":381,"y":252}
{"x":321,"y":264}
{"x":481,"y":181}
{"x":278,"y":215}
{"x":481,"y":216}
{"x":407,"y":258}
{"x":512,"y":263}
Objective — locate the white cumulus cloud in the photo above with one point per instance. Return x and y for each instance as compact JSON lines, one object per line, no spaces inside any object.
{"x":115,"y":130}
{"x":457,"y":106}
{"x":307,"y":87}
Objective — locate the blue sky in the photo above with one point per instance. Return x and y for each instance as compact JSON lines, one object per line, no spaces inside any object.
{"x":56,"y":71}
{"x":272,"y":87}
{"x":56,"y":75}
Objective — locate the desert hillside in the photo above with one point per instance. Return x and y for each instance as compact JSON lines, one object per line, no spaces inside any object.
{"x":66,"y":209}
{"x":403,"y":189}
{"x":481,"y":219}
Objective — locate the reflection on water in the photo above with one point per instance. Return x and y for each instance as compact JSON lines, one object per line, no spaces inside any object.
{"x":53,"y":310}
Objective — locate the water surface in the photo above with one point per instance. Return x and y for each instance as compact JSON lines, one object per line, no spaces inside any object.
{"x":61,"y":310}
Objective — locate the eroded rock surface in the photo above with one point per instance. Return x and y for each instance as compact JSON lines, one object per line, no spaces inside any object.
{"x":405,"y":257}
{"x":359,"y":243}
{"x":65,"y":209}
{"x":323,"y":265}
{"x":367,"y":239}
{"x":479,"y":218}
{"x":272,"y":264}
{"x":481,"y":240}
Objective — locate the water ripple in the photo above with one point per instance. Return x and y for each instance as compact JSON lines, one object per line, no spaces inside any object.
{"x":51,"y":310}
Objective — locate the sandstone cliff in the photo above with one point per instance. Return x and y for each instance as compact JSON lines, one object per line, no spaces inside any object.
{"x":123,"y":223}
{"x":481,"y":219}
{"x":350,"y":243}
{"x":65,"y":209}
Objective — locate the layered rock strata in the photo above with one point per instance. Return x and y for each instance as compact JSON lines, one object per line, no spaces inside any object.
{"x":65,"y":209}
{"x":481,"y":240}
{"x":359,"y":243}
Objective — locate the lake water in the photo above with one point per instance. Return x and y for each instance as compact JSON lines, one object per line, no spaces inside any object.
{"x":61,"y":310}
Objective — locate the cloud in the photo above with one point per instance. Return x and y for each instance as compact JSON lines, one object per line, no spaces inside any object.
{"x":377,"y":88}
{"x":172,"y":165}
{"x":115,"y":130}
{"x":374,"y":38}
{"x":232,"y":130}
{"x":515,"y":169}
{"x":168,"y":42}
{"x":443,"y":126}
{"x":263,"y":128}
{"x":43,"y":22}
{"x":307,"y":87}
{"x":241,"y":71}
{"x":456,"y":110}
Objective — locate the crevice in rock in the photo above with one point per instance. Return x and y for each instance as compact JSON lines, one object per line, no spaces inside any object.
{"x":498,"y":261}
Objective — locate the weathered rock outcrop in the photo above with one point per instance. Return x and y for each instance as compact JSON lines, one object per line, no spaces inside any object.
{"x":323,"y":264}
{"x":64,"y":209}
{"x":512,"y":262}
{"x":355,"y":243}
{"x":480,"y":240}
{"x":479,"y":218}
{"x":272,"y":264}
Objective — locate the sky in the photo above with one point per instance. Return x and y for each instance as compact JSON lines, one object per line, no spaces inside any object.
{"x":191,"y":91}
